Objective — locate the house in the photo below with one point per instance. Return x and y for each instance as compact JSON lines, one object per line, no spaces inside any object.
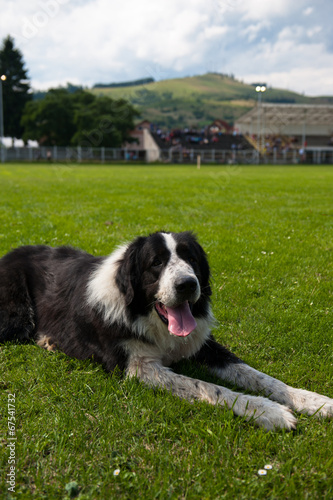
{"x":143,"y":144}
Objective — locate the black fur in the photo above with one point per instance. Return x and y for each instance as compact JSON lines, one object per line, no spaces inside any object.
{"x":118,"y":310}
{"x":43,"y":292}
{"x":214,"y":355}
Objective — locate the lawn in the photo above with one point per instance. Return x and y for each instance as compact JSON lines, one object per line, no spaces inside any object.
{"x":268,"y":235}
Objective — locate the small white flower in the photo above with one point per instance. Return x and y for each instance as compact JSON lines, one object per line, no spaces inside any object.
{"x":268,"y":467}
{"x":116,"y":472}
{"x":262,"y":472}
{"x":263,"y":252}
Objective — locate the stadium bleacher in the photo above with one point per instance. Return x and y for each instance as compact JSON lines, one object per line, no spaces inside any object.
{"x":201,"y":141}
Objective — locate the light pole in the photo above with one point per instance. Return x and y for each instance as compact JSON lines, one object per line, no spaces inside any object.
{"x":2,"y":79}
{"x":259,"y":89}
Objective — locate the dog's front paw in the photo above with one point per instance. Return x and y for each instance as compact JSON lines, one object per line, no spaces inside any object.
{"x":274,"y":417}
{"x":312,"y":403}
{"x":265,"y":413}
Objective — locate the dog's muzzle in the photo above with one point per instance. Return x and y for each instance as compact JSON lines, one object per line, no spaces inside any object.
{"x":179,"y":317}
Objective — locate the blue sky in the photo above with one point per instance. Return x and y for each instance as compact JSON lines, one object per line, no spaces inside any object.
{"x":283,"y":43}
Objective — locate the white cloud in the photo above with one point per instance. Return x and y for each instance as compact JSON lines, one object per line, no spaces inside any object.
{"x":215,"y":31}
{"x":300,"y":67}
{"x":308,"y":11}
{"x":252,"y":31}
{"x":291,"y":34}
{"x":257,"y":9}
{"x":314,"y":31}
{"x":89,"y":41}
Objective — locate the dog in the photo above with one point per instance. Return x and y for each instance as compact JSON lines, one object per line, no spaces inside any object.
{"x":142,"y":308}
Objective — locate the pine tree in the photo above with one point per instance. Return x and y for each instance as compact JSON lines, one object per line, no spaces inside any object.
{"x":16,"y":87}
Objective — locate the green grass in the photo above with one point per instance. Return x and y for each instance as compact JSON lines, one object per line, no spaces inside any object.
{"x":268,"y":235}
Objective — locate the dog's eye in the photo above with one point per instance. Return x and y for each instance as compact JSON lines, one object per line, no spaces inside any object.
{"x":156,"y":262}
{"x":192,"y":260}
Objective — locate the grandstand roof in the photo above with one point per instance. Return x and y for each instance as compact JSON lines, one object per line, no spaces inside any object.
{"x":280,"y":117}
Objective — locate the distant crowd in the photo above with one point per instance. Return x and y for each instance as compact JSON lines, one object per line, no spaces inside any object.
{"x":210,"y":136}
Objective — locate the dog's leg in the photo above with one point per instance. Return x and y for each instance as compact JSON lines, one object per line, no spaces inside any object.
{"x":228,"y":367}
{"x":265,"y":413}
{"x":45,"y":342}
{"x":298,"y":399}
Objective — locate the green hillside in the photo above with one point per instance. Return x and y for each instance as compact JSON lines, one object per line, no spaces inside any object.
{"x":198,"y":100}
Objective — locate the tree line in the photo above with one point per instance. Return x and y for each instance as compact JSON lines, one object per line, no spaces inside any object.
{"x":133,"y":83}
{"x":62,"y":116}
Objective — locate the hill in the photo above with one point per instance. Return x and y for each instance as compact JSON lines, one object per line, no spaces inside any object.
{"x":198,"y":100}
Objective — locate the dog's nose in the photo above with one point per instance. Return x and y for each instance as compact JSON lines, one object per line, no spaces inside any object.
{"x":187,"y":285}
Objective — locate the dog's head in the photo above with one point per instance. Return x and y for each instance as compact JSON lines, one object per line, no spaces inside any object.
{"x":167,"y":272}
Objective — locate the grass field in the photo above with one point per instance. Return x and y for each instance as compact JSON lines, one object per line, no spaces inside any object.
{"x":268,"y":235}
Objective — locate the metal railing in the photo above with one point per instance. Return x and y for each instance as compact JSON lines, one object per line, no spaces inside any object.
{"x":57,"y":154}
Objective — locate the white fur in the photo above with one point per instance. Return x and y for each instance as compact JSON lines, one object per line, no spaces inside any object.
{"x":298,"y":399}
{"x":176,"y":268}
{"x":150,"y":361}
{"x":146,"y":365}
{"x":103,"y":292}
{"x":169,"y":347}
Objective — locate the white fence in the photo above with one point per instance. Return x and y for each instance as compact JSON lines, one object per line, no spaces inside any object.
{"x":72,"y":154}
{"x":315,"y":155}
{"x":171,"y":155}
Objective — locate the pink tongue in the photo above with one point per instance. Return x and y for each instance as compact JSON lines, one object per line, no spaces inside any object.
{"x":181,"y":321}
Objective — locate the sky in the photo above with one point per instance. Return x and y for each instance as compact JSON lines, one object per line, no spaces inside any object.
{"x":283,"y":43}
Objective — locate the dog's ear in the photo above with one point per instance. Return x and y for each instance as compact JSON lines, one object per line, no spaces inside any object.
{"x":204,"y":265}
{"x":205,"y":272}
{"x":129,"y":270}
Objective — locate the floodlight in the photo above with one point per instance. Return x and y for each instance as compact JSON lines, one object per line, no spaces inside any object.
{"x":260,"y":88}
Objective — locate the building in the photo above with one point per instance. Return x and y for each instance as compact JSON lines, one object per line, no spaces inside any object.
{"x":143,"y":145}
{"x":309,"y":124}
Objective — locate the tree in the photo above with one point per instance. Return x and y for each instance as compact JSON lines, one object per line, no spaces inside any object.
{"x":104,"y":122}
{"x":80,"y":118}
{"x":16,"y":87}
{"x":50,"y":120}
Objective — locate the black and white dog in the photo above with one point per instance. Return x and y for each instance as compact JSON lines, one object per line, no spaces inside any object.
{"x":142,"y":308}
